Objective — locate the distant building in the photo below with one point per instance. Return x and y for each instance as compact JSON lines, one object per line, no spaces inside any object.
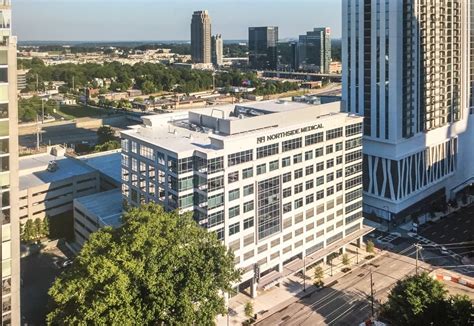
{"x":294,"y":55}
{"x":21,"y":79}
{"x":201,"y":37}
{"x":314,"y":50}
{"x":263,"y":52}
{"x":217,"y":50}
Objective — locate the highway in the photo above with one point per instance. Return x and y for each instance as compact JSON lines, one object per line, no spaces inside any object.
{"x":346,"y":302}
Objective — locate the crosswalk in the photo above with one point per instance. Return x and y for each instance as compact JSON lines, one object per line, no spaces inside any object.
{"x":388,"y":238}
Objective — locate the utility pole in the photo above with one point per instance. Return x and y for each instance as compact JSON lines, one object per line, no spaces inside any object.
{"x":357,"y":252}
{"x":418,"y":248}
{"x":42,"y":110}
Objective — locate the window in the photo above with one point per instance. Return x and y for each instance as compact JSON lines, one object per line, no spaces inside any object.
{"x":233,"y":177}
{"x":329,"y":149}
{"x":333,"y":134}
{"x":339,"y":187}
{"x":298,"y":173}
{"x":248,"y":223}
{"x":339,"y":160}
{"x":234,"y":228}
{"x":353,"y":143}
{"x":247,"y":173}
{"x":309,"y":199}
{"x":353,"y":129}
{"x":308,"y":155}
{"x":297,"y":159}
{"x":215,"y":165}
{"x":330,"y":163}
{"x":298,"y":203}
{"x":220,"y":234}
{"x":319,"y":166}
{"x":319,"y":181}
{"x":286,"y":162}
{"x":353,"y":169}
{"x":314,"y":139}
{"x":147,"y":152}
{"x":234,"y":211}
{"x":353,"y":195}
{"x":329,"y":191}
{"x":287,"y":208}
{"x":261,"y":169}
{"x":234,"y":194}
{"x":309,"y":184}
{"x":274,"y":165}
{"x":353,"y":156}
{"x":339,"y":147}
{"x":268,"y":150}
{"x":239,"y":158}
{"x":329,"y":177}
{"x":320,"y":195}
{"x":292,"y":144}
{"x":319,"y":152}
{"x":287,"y":177}
{"x":309,"y":170}
{"x":214,"y":184}
{"x":185,"y":164}
{"x":248,"y":206}
{"x":298,"y":188}
{"x":354,"y":182}
{"x":216,"y":219}
{"x":339,"y":174}
{"x":248,"y":190}
{"x":215,"y":201}
{"x":353,"y":207}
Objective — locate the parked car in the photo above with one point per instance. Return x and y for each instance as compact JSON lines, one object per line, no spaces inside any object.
{"x":443,"y":250}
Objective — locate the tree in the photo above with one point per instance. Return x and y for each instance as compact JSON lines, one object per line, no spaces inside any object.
{"x":318,"y":276}
{"x":45,"y":227}
{"x":248,"y":310}
{"x":108,"y":146}
{"x":370,"y":248}
{"x":345,"y":260}
{"x":148,"y":87}
{"x":105,"y":134}
{"x":28,"y":231}
{"x":421,"y":300}
{"x":157,"y":268}
{"x":38,"y":228}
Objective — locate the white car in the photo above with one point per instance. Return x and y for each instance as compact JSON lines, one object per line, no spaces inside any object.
{"x":443,"y":250}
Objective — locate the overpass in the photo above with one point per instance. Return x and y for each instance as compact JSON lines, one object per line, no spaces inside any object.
{"x":302,"y":76}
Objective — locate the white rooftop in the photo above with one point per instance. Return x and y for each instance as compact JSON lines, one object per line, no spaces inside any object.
{"x":106,"y":206}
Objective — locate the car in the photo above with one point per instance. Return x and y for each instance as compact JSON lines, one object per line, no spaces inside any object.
{"x":443,"y":250}
{"x":66,"y":263}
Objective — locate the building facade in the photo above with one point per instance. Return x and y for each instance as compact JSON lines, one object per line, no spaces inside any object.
{"x":314,"y":50}
{"x":406,"y":71}
{"x":263,"y":48}
{"x":9,"y":170}
{"x":279,"y":183}
{"x":201,"y":37}
{"x":217,"y":50}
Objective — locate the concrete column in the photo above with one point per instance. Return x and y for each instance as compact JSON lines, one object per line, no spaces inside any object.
{"x":325,"y":260}
{"x":360,"y":242}
{"x":253,"y":289}
{"x":343,"y":249}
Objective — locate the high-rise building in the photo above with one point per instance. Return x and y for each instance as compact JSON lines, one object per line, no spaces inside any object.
{"x":280,"y":183}
{"x":217,"y":50}
{"x":405,"y":70}
{"x":263,"y":48}
{"x":9,"y":170}
{"x":314,"y":50}
{"x":294,"y":56}
{"x":201,"y":37}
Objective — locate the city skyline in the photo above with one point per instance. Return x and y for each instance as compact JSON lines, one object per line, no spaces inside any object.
{"x":152,"y":20}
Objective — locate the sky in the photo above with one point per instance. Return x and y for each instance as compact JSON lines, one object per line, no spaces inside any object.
{"x":142,"y":20}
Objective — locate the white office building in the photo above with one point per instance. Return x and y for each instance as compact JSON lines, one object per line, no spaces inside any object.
{"x":279,"y":182}
{"x":406,"y":72}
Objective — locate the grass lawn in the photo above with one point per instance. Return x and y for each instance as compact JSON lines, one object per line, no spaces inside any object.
{"x":70,"y":112}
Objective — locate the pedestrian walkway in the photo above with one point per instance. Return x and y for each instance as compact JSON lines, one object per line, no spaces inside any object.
{"x":292,"y":288}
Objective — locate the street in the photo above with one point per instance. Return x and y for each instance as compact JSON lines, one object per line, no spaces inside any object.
{"x":346,"y":302}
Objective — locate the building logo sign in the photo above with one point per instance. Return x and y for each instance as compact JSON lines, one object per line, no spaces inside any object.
{"x":263,"y":139}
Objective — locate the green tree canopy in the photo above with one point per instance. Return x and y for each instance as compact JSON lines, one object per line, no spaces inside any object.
{"x":421,"y":300}
{"x":105,"y":134}
{"x":157,"y":268}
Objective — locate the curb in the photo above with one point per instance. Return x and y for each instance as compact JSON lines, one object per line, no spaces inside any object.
{"x":455,"y":279}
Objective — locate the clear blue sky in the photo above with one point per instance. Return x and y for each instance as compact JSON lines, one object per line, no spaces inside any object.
{"x":137,"y":20}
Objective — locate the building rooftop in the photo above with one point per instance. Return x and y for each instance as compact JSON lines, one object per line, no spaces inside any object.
{"x":108,"y":163}
{"x":107,"y":206}
{"x":209,"y":129}
{"x":33,"y":170}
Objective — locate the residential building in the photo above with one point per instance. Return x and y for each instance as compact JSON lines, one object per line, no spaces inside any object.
{"x":21,"y":79}
{"x":9,"y":170}
{"x":280,"y":183}
{"x":201,"y":37}
{"x":314,"y":50}
{"x":263,"y":51}
{"x":217,"y":50}
{"x":405,"y":71}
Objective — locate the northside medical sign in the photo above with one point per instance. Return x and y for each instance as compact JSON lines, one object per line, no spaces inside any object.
{"x":289,"y":133}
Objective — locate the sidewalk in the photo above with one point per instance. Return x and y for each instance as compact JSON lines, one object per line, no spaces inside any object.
{"x":290,"y":290}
